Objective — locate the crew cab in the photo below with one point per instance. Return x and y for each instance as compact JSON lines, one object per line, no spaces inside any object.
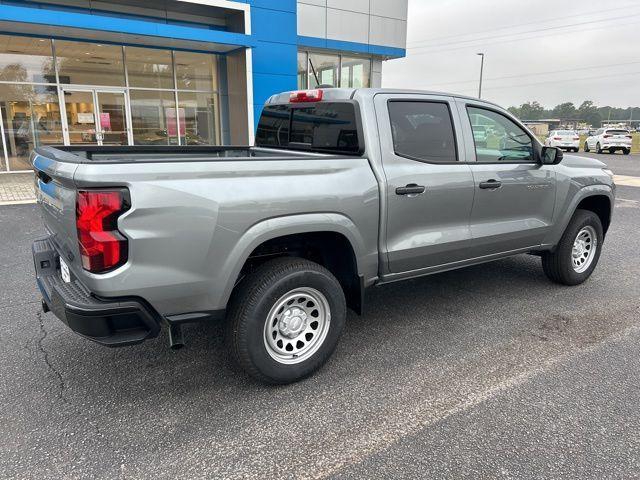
{"x":345,"y":190}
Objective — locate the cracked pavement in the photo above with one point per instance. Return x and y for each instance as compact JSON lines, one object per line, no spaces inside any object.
{"x":486,"y":372}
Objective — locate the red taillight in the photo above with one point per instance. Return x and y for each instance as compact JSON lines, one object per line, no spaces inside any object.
{"x":557,"y":138}
{"x":576,"y":138}
{"x":302,"y":96}
{"x":607,"y":136}
{"x":629,"y":136}
{"x":102,"y":246}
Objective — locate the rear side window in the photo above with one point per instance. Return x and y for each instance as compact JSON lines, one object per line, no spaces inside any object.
{"x":329,"y":127}
{"x":423,"y":131}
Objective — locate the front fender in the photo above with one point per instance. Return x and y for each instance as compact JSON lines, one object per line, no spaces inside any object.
{"x":295,"y":224}
{"x":569,"y":207}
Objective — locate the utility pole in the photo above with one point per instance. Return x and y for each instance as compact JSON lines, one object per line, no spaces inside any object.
{"x":481,"y":71}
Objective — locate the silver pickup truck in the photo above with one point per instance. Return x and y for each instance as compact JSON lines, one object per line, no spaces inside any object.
{"x":344,"y":190}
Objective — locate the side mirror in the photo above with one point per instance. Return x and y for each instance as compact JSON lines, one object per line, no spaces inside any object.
{"x":551,"y":155}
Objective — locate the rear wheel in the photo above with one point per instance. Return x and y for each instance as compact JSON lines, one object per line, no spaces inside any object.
{"x":578,"y":251}
{"x":285,"y":320}
{"x":598,"y":148}
{"x":586,"y":147}
{"x":612,"y":151}
{"x":627,"y":151}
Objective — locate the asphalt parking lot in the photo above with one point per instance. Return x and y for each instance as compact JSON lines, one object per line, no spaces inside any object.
{"x":486,"y":372}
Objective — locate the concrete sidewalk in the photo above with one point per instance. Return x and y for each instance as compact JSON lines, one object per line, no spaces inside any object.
{"x":16,"y":188}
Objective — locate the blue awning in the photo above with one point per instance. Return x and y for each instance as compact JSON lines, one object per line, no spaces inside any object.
{"x":57,"y":23}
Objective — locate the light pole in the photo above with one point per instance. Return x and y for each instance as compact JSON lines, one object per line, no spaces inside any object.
{"x":481,"y":69}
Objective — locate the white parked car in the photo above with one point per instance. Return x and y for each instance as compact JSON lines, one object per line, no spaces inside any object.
{"x":610,"y":139}
{"x":568,"y":140}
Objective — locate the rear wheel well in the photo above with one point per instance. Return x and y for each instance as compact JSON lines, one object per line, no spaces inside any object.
{"x":601,"y":206}
{"x":332,"y":250}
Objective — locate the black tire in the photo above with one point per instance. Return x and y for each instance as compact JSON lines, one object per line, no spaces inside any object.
{"x":626,"y":151}
{"x":612,"y":151}
{"x":577,"y":149}
{"x":252,"y":303}
{"x":558,"y":265}
{"x":586,"y":147}
{"x":598,"y":149}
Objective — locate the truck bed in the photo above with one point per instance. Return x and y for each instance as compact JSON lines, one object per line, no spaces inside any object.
{"x":167,"y":153}
{"x":197,"y":212}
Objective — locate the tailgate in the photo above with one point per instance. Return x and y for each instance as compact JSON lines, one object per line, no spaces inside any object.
{"x":56,"y":194}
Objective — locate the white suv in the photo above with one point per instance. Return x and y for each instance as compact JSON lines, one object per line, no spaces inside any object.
{"x":610,"y":139}
{"x":568,"y":140}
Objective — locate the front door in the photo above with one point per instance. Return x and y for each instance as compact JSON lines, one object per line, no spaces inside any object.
{"x":96,"y":117}
{"x":429,"y":187}
{"x":514,"y":193}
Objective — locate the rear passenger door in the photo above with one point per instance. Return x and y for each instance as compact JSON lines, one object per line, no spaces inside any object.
{"x":514,"y":193}
{"x":429,"y":191}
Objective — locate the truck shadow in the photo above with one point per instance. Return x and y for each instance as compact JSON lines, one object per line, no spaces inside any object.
{"x":427,"y":311}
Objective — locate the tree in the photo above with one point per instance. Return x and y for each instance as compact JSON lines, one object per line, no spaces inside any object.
{"x":528,"y":111}
{"x":588,"y":112}
{"x":565,"y":111}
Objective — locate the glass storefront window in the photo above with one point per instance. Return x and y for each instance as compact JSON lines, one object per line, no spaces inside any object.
{"x":31,"y":117}
{"x":197,"y":113}
{"x":196,"y":71}
{"x":81,"y":117}
{"x":323,"y":69}
{"x":112,"y":118}
{"x":84,"y":63}
{"x":26,"y":59}
{"x":153,"y":115}
{"x":303,"y":66}
{"x":334,"y":70}
{"x":102,"y":102}
{"x":355,"y":72}
{"x":149,"y":68}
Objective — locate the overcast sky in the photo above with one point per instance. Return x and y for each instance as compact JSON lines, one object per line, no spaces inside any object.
{"x":553,"y":51}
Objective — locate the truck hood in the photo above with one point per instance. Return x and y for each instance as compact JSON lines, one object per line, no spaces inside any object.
{"x":577,"y":161}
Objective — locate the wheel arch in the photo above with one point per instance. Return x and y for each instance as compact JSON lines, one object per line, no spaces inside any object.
{"x":330,"y":239}
{"x":599,"y":204}
{"x":597,"y":198}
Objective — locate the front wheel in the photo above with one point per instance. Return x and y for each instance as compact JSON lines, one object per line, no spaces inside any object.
{"x":285,"y":320}
{"x":578,"y":251}
{"x":598,"y":148}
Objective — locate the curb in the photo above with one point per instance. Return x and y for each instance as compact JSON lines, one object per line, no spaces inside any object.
{"x":18,"y":202}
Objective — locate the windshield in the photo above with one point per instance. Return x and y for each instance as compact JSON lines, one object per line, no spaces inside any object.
{"x":566,"y":132}
{"x":323,"y":127}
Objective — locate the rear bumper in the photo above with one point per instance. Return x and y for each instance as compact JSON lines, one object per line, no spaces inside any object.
{"x":112,"y":322}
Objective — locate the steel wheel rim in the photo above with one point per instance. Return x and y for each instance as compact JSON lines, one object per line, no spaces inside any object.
{"x":584,"y":249}
{"x":297,"y":325}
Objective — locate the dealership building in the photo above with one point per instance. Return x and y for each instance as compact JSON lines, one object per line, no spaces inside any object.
{"x":175,"y":72}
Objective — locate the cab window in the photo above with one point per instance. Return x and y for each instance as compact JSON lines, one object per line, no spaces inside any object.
{"x":423,"y":131}
{"x":505,"y":141}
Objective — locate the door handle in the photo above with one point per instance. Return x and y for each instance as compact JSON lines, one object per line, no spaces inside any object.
{"x":490,"y":184}
{"x":411,"y":189}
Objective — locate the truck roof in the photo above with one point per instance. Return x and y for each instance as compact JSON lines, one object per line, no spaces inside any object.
{"x":336,"y":94}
